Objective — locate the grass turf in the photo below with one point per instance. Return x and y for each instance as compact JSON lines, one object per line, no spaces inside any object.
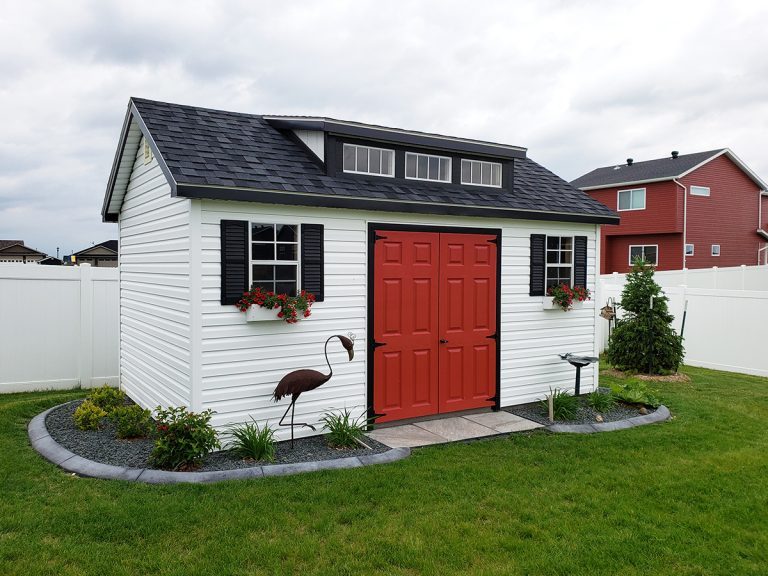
{"x":686,"y":497}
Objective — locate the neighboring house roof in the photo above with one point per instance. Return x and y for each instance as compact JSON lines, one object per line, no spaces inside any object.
{"x":6,"y":243}
{"x":215,"y":154}
{"x":19,"y":248}
{"x":657,"y":170}
{"x":110,"y":245}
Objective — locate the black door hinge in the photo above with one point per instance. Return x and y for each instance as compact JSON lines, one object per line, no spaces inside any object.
{"x":494,"y":336}
{"x":494,"y":240}
{"x":379,"y":237}
{"x":377,"y":344}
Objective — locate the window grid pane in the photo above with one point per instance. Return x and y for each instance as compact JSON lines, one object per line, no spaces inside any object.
{"x":274,"y":257}
{"x":367,"y":160}
{"x":559,"y":266}
{"x":481,"y":173}
{"x":427,"y":167}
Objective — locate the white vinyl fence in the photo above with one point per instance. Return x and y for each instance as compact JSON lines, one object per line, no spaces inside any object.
{"x":727,"y":319}
{"x":59,"y":327}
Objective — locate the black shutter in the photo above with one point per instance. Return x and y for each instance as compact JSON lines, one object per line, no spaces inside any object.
{"x":580,"y":261}
{"x":312,"y":260}
{"x":538,"y":263}
{"x":234,"y":260}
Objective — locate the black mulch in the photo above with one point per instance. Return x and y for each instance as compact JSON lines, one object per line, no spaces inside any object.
{"x":103,"y":446}
{"x":585,"y":414}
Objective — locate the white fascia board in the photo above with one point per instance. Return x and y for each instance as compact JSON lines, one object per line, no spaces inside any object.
{"x":736,"y":160}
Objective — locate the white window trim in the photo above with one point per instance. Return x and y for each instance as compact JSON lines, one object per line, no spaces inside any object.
{"x":547,"y":265}
{"x":470,"y":183}
{"x":369,"y":148}
{"x":700,"y":191}
{"x":630,"y":190}
{"x":417,"y":154}
{"x":685,"y":250}
{"x":643,"y":246}
{"x":712,"y":250}
{"x":297,"y":262}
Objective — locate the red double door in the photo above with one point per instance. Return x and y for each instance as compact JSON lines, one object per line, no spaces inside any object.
{"x":434,"y":326}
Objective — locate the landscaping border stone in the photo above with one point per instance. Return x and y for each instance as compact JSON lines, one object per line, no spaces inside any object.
{"x":660,"y":415}
{"x":52,"y":451}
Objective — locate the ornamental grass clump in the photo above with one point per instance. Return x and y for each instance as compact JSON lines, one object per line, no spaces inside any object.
{"x":344,"y":431}
{"x":249,"y":441}
{"x":564,"y":405}
{"x":132,"y":421}
{"x":88,"y":416}
{"x":563,"y":296}
{"x":107,"y":398}
{"x":601,"y":401}
{"x":183,"y":438}
{"x":291,"y":308}
{"x":644,"y":340}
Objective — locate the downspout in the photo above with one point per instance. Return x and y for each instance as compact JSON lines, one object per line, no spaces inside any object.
{"x":685,"y":219}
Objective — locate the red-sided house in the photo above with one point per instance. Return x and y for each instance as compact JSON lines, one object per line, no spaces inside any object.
{"x":684,"y":211}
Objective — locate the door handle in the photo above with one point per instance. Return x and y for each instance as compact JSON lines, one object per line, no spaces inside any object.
{"x":443,"y":341}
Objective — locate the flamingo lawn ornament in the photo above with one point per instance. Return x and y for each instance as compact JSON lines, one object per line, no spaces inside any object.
{"x":298,"y":381}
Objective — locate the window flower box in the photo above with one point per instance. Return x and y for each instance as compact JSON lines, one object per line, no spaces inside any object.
{"x":259,"y":314}
{"x":547,"y":304}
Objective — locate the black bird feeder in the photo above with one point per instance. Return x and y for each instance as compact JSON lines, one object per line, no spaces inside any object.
{"x":579,"y":362}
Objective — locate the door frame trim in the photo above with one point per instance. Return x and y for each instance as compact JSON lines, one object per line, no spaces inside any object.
{"x":373,"y":228}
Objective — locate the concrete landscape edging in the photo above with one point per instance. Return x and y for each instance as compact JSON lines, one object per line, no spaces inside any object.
{"x":54,"y":452}
{"x":660,"y":415}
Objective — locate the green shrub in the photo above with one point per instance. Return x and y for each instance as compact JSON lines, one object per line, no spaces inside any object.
{"x":564,"y":405}
{"x":107,"y":398}
{"x":88,"y":416}
{"x":343,"y":430}
{"x":183,"y":438}
{"x":635,"y":392}
{"x":601,"y":401}
{"x":250,"y":441}
{"x":643,"y":340}
{"x":132,"y":421}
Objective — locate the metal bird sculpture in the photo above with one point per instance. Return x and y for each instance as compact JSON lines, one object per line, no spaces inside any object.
{"x":298,"y":381}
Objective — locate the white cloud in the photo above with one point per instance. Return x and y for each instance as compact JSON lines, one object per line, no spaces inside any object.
{"x":581,"y":84}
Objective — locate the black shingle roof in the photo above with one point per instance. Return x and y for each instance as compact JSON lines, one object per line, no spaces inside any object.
{"x":204,"y":147}
{"x":643,"y":171}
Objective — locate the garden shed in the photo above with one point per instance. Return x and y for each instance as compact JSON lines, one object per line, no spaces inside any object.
{"x":435,"y":252}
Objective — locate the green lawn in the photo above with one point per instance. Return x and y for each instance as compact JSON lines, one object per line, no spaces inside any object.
{"x":686,"y":497}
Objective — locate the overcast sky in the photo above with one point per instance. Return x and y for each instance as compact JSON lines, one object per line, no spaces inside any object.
{"x":580,"y":84}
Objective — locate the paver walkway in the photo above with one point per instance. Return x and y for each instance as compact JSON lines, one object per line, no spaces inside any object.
{"x":451,"y":429}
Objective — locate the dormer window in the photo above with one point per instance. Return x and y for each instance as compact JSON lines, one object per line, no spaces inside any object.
{"x":427,"y":167}
{"x":479,"y":173}
{"x":368,"y":160}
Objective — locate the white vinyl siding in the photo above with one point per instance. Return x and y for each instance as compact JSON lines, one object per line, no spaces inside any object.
{"x":479,"y":173}
{"x":631,"y":199}
{"x":648,"y":252}
{"x":427,"y":167}
{"x":368,"y":160}
{"x":155,"y":318}
{"x":699,"y":190}
{"x":314,"y":140}
{"x":242,"y":362}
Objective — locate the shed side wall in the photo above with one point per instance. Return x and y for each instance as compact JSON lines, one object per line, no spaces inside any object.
{"x":154,"y":290}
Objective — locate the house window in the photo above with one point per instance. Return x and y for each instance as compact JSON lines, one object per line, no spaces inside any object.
{"x":481,"y":173}
{"x":699,"y":190}
{"x":559,"y":269}
{"x":632,"y":199}
{"x":427,"y":167}
{"x":275,"y":257}
{"x":148,"y":156}
{"x":715,"y":249}
{"x":649,"y":253}
{"x":367,"y":160}
{"x":689,"y":249}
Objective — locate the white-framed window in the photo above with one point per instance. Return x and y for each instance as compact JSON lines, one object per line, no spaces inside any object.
{"x":715,"y":249}
{"x":647,"y":252}
{"x":559,"y":268}
{"x":689,"y":249}
{"x":275,"y":257}
{"x":479,"y":173}
{"x":427,"y":167}
{"x":631,"y":199}
{"x":699,"y":190}
{"x":368,"y":160}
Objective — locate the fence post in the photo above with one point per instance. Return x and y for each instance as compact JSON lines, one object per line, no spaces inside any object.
{"x":86,"y":326}
{"x":714,"y":276}
{"x":743,"y":276}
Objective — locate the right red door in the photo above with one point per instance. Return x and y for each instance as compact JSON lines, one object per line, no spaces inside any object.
{"x":434,"y":323}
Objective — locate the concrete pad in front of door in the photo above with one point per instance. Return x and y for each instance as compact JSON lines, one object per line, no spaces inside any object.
{"x":451,"y":429}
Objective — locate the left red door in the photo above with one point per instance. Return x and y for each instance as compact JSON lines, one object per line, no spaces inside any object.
{"x":406,"y":274}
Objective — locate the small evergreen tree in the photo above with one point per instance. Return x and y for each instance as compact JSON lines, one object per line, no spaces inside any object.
{"x":644,"y":340}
